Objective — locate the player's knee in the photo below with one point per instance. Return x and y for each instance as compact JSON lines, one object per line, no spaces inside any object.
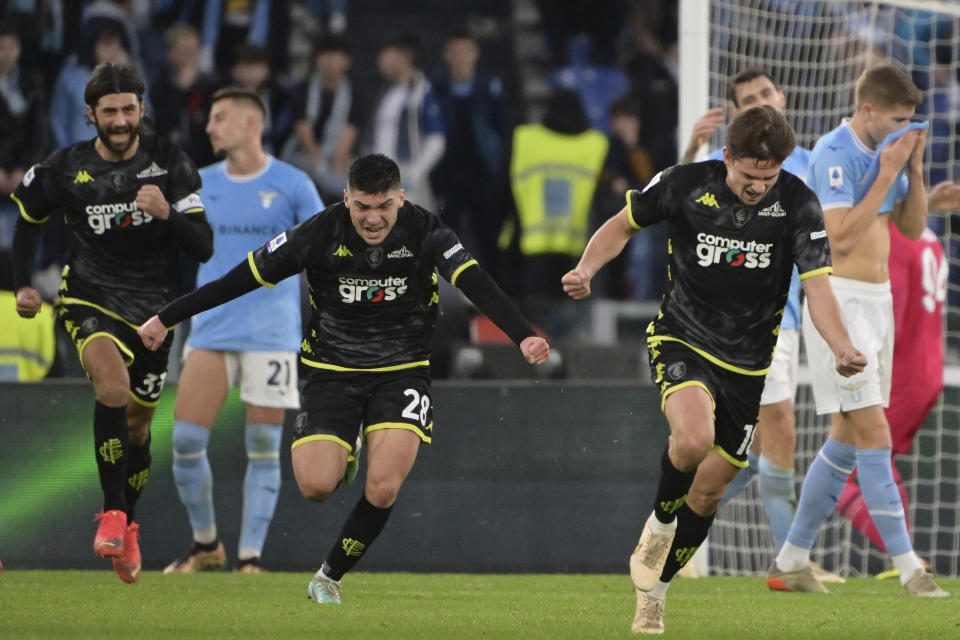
{"x":138,"y":430}
{"x":317,"y":489}
{"x":263,"y":441}
{"x":112,"y":392}
{"x":691,"y":447}
{"x":382,"y":493}
{"x":189,"y":439}
{"x":705,"y":500}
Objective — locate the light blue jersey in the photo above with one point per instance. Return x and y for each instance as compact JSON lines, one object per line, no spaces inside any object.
{"x":245,"y":212}
{"x":797,"y":164}
{"x":840,"y":165}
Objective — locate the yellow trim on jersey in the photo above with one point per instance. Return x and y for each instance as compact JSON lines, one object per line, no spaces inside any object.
{"x":400,"y":425}
{"x":743,"y":464}
{"x":685,"y":385}
{"x":143,"y":402}
{"x":456,"y":274}
{"x":193,"y":210}
{"x":123,"y":348}
{"x":654,"y":340}
{"x":325,"y":437}
{"x":115,"y":316}
{"x":633,"y":223}
{"x":256,"y":272}
{"x":816,"y":272}
{"x":393,"y":367}
{"x":27,"y":216}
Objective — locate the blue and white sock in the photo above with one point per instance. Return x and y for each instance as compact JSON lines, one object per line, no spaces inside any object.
{"x":741,"y":480}
{"x":261,"y":488}
{"x":191,"y":472}
{"x":825,"y":480}
{"x":882,"y":497}
{"x":779,"y":496}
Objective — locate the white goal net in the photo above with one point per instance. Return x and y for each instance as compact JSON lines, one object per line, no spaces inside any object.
{"x":815,"y":51}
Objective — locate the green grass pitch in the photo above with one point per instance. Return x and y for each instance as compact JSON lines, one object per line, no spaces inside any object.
{"x":95,"y":604}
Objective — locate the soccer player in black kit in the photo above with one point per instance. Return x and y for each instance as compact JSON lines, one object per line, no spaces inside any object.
{"x":372,"y":263}
{"x":130,"y":203}
{"x":736,"y":229}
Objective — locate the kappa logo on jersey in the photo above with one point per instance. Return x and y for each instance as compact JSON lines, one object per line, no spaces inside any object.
{"x":371,"y":289}
{"x":749,"y":254}
{"x":277,"y":242}
{"x":708,"y":200}
{"x":153,"y":171}
{"x":266,"y":198}
{"x":836,"y":177}
{"x":117,"y":215}
{"x":342,"y":252}
{"x":402,"y":252}
{"x":83,"y":177}
{"x":773,"y":211}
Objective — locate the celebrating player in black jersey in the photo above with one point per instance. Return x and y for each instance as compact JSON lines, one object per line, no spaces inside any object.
{"x":371,"y":263}
{"x":130,"y":203}
{"x":736,"y":229}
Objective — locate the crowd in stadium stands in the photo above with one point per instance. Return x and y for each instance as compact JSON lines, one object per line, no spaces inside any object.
{"x":454,"y":121}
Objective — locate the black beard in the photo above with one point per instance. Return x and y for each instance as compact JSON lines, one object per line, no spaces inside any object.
{"x":104,"y":135}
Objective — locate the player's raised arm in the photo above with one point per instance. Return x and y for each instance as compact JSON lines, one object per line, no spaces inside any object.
{"x":826,"y":316}
{"x":492,"y":301}
{"x":233,"y":284}
{"x":186,"y":217}
{"x":606,"y":244}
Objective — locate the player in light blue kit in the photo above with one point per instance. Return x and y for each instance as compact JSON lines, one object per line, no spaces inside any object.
{"x":251,"y":342}
{"x":771,"y":454}
{"x":866,"y":172}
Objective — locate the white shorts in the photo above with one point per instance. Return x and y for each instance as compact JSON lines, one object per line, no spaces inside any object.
{"x":781,"y":382}
{"x":868,"y":311}
{"x":266,"y":378}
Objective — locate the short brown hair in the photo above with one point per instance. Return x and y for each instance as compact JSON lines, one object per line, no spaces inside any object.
{"x":886,"y":86}
{"x":761,"y":133}
{"x":242,"y":95}
{"x":742,"y":78}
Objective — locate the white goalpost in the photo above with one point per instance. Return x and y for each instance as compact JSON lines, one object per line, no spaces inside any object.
{"x":815,"y":50}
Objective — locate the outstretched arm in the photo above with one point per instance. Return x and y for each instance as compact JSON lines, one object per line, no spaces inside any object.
{"x":26,"y":239}
{"x":492,"y":301}
{"x":827,"y":318}
{"x":606,"y":244}
{"x":233,"y":284}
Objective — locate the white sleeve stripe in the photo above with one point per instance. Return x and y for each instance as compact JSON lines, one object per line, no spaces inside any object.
{"x":836,"y":205}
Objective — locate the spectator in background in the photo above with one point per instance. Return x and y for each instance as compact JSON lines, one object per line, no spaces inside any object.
{"x":181,"y":95}
{"x":326,"y":119}
{"x":24,"y":137}
{"x":407,"y":125}
{"x":647,"y":60}
{"x":640,"y":272}
{"x":597,"y":85}
{"x":473,"y":111}
{"x":68,"y":110}
{"x":251,"y":70}
{"x":254,"y":23}
{"x":554,"y":169}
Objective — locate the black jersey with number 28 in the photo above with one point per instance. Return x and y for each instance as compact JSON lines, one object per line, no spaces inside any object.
{"x":730,"y":263}
{"x":373,"y":307}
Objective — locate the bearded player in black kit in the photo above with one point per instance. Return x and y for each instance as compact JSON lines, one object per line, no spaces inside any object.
{"x":736,"y":228}
{"x":131,"y":204}
{"x":372,"y":263}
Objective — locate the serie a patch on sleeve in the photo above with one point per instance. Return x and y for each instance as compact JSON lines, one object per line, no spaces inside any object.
{"x":836,"y":177}
{"x":277,"y":242}
{"x":190,"y":203}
